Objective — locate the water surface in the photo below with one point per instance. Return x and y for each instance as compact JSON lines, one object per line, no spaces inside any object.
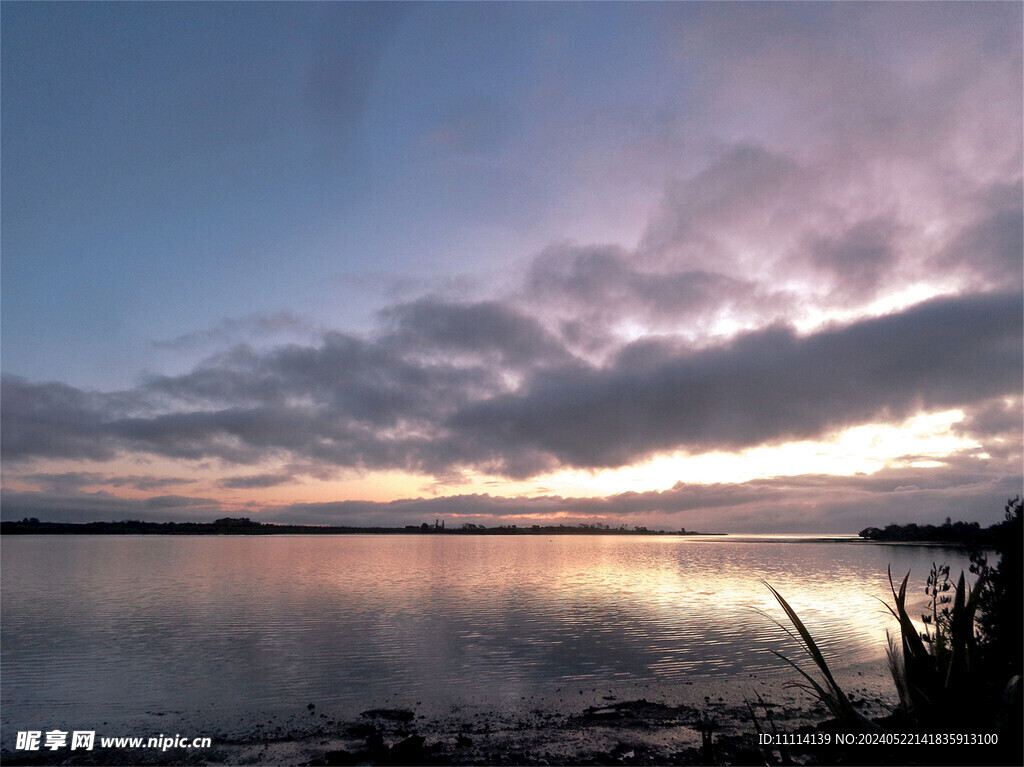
{"x":112,"y":626}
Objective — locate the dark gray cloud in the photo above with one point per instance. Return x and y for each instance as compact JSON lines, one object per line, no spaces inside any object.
{"x":764,"y":387}
{"x":53,"y":420}
{"x":344,"y":402}
{"x":105,"y":507}
{"x":858,"y":258}
{"x":992,"y":243}
{"x":997,"y":425}
{"x":357,"y":380}
{"x":606,"y":281}
{"x":255,"y":480}
{"x":396,"y":404}
{"x":69,"y":481}
{"x":488,"y":331}
{"x":998,"y":418}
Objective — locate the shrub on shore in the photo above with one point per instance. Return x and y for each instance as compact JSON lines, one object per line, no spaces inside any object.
{"x":962,"y":673}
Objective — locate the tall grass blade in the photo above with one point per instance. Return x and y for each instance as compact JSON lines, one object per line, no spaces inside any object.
{"x":894,"y":658}
{"x":833,"y":696}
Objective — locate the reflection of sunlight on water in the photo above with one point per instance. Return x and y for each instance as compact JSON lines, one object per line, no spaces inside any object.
{"x":713,"y":611}
{"x":265,"y":620}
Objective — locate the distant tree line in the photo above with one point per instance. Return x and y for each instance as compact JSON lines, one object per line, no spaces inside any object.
{"x":245,"y":526}
{"x":223,"y":526}
{"x":967,"y":533}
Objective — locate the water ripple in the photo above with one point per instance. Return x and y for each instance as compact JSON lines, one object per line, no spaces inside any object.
{"x":127,"y":623}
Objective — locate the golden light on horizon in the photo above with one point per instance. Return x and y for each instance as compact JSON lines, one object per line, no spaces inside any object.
{"x":918,"y":442}
{"x":865,"y":449}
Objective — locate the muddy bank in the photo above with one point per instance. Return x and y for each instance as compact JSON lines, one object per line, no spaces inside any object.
{"x":638,"y":732}
{"x":577,"y":726}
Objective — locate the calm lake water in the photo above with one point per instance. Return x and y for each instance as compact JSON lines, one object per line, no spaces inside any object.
{"x":108,"y":627}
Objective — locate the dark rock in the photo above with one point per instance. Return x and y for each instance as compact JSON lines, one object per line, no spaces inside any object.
{"x":408,"y":751}
{"x":340,"y":757}
{"x":391,"y":714}
{"x":361,"y":730}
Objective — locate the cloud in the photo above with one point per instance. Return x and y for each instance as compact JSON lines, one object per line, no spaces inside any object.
{"x":860,"y":257}
{"x":105,"y":507}
{"x":401,"y":402}
{"x":991,"y":244}
{"x":997,"y":418}
{"x":808,"y":503}
{"x":741,"y":198}
{"x":763,"y":235}
{"x":488,"y":330}
{"x":233,"y":331}
{"x":591,"y":291}
{"x":54,"y":420}
{"x":764,"y":387}
{"x":825,"y":174}
{"x":811,"y":503}
{"x":255,"y":480}
{"x":839,"y":165}
{"x":65,"y":482}
{"x":998,"y":425}
{"x":342,"y":72}
{"x":873,"y":175}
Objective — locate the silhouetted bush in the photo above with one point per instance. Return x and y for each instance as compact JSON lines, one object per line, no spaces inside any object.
{"x":1000,"y":614}
{"x":962,"y":673}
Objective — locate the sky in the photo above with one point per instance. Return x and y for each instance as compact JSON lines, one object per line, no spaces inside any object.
{"x":736,"y":267}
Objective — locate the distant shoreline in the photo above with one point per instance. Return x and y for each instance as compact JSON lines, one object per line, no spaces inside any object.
{"x":893,"y":535}
{"x":968,"y":534}
{"x":243,"y":526}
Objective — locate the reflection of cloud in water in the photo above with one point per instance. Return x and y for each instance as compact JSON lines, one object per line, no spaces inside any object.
{"x":259,"y":623}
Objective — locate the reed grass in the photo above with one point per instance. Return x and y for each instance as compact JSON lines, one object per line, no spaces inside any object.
{"x":932,"y":670}
{"x":961,"y":673}
{"x":827,"y":689}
